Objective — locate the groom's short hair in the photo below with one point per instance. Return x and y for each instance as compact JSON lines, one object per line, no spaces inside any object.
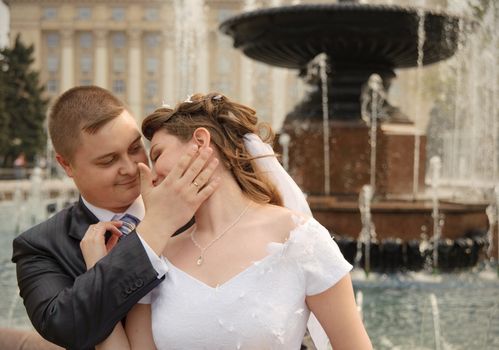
{"x":82,"y":108}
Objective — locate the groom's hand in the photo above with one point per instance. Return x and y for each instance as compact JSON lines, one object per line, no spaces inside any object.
{"x":93,"y":245}
{"x":171,"y":203}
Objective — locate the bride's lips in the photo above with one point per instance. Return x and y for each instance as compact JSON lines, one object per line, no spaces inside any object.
{"x":128,"y":182}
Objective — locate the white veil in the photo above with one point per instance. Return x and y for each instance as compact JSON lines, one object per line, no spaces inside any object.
{"x":293,"y":199}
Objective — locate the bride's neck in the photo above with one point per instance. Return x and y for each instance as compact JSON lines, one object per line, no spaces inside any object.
{"x":221,"y":208}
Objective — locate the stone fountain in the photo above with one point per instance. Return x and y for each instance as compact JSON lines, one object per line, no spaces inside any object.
{"x":358,"y":41}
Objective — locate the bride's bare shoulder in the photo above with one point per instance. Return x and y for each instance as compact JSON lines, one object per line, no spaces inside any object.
{"x":281,"y":221}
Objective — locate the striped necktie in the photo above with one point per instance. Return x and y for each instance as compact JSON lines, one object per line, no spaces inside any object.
{"x":129,"y":224}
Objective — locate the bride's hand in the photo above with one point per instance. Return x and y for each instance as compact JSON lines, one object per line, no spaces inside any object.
{"x":93,"y":245}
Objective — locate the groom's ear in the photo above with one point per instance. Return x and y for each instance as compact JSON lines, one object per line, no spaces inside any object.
{"x":201,"y":137}
{"x":66,"y":165}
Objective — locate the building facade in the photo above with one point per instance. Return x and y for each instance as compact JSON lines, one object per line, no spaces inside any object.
{"x":149,"y":52}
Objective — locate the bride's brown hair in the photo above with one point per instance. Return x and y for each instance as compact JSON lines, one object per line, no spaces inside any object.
{"x":227,"y":122}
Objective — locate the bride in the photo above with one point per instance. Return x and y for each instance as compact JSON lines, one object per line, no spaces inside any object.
{"x":250,"y":271}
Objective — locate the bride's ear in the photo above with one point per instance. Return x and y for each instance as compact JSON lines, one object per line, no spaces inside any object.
{"x":201,"y":137}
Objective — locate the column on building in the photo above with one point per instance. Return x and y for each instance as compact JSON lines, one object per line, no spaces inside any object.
{"x":101,"y":58}
{"x":202,"y":65}
{"x":246,"y":81}
{"x":134,"y":88}
{"x":167,"y":67}
{"x":67,"y":61}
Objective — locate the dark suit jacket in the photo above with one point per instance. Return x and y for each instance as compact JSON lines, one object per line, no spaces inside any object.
{"x":68,"y":305}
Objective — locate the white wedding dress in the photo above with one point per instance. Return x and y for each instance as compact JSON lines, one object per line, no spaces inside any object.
{"x":263,"y":307}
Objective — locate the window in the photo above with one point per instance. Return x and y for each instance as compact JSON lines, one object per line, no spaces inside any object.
{"x":152,"y":40}
{"x":151,"y":65}
{"x":86,"y":40}
{"x":52,"y":64}
{"x":151,"y":88}
{"x":118,"y":14}
{"x":151,"y":14}
{"x":118,"y":86}
{"x":118,"y":64}
{"x":49,"y":13}
{"x":84,"y":13}
{"x":52,"y":40}
{"x":86,"y":64}
{"x":119,"y":40}
{"x":52,"y":86}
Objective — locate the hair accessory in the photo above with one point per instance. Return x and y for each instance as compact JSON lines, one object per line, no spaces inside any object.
{"x":217,"y":97}
{"x":165,"y":105}
{"x":188,"y":99}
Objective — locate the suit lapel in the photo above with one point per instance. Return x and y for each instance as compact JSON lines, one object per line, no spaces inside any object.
{"x":81,"y":218}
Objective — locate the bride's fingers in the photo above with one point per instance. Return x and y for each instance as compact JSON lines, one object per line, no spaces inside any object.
{"x":207,"y":190}
{"x":204,"y":177}
{"x":146,"y":182}
{"x":182,"y":165}
{"x":197,"y":166}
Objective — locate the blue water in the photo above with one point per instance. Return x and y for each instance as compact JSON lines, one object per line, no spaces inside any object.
{"x":399,"y":314}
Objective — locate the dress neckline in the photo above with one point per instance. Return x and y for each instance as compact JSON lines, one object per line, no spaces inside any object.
{"x":274,"y":248}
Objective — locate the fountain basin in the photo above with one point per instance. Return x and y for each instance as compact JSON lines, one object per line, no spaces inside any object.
{"x":358,"y":39}
{"x":397,"y":218}
{"x":384,"y":35}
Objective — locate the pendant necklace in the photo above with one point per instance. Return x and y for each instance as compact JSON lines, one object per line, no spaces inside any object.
{"x":200,"y":259}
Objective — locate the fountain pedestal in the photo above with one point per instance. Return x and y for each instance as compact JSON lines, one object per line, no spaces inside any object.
{"x":350,"y":157}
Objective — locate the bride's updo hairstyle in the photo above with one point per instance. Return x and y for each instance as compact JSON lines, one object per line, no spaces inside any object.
{"x":227,"y":122}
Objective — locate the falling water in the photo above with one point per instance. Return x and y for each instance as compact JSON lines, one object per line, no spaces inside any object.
{"x":372,"y":99}
{"x":417,"y":136}
{"x":496,"y":192}
{"x":191,"y":46}
{"x":359,"y":298}
{"x":435,"y":167}
{"x":491,"y":212}
{"x":436,"y":320}
{"x":367,"y":233}
{"x":249,"y":5}
{"x":469,"y":114}
{"x":284,"y":140}
{"x":322,"y":58}
{"x":37,"y":210}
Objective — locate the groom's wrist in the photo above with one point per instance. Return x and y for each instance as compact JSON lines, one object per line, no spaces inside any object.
{"x":155,"y":233}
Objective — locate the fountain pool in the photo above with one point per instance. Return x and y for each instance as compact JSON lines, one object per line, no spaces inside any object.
{"x":397,"y":309}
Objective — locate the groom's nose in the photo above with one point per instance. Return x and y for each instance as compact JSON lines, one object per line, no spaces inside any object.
{"x":128,"y":167}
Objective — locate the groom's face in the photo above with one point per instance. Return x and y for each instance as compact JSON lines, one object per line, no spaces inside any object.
{"x":104,"y":166}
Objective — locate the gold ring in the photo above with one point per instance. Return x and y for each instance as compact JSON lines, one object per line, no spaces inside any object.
{"x":195,"y":183}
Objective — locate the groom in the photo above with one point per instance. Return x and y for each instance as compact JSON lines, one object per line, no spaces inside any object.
{"x":99,"y":145}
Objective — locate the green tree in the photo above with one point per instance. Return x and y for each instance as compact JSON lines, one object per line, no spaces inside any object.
{"x":22,"y":105}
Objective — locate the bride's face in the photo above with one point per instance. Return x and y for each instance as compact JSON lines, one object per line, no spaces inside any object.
{"x":166,"y":151}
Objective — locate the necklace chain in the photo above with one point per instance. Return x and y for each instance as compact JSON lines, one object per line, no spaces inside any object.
{"x":200,"y":259}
